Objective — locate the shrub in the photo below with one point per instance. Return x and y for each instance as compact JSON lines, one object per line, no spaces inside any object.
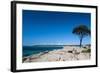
{"x":86,"y":51}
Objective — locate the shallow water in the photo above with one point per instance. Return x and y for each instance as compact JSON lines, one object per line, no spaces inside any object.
{"x":29,"y":50}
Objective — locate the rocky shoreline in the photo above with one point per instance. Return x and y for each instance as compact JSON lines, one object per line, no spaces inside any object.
{"x":68,"y":53}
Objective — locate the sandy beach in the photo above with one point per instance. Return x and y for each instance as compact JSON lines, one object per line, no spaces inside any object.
{"x":68,"y":53}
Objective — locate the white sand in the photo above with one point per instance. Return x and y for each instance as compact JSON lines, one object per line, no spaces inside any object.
{"x":68,"y":53}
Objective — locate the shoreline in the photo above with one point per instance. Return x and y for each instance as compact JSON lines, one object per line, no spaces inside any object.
{"x":68,"y":53}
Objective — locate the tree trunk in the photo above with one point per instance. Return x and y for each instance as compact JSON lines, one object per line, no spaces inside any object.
{"x":81,"y":42}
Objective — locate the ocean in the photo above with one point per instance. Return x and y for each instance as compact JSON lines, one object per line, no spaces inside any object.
{"x":29,"y":50}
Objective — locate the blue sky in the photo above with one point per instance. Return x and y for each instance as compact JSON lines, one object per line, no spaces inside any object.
{"x":52,"y":28}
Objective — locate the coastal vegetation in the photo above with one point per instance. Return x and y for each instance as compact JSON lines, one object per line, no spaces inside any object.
{"x":81,"y":31}
{"x":86,"y":51}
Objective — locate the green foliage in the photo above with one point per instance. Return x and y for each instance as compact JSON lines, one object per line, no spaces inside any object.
{"x":81,"y":31}
{"x":86,"y":51}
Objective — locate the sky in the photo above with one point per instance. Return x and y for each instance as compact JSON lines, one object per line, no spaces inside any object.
{"x":52,"y":28}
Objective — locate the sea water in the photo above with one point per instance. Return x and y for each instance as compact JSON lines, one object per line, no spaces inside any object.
{"x":29,"y":50}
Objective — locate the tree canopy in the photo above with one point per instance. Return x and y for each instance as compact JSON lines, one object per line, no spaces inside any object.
{"x":81,"y":31}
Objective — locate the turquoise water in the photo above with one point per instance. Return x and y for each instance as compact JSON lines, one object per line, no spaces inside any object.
{"x":29,"y":50}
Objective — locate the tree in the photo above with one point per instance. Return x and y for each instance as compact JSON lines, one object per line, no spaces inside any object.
{"x":82,"y":31}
